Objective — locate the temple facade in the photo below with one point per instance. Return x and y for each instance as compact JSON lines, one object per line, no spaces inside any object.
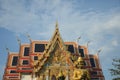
{"x":53,"y":60}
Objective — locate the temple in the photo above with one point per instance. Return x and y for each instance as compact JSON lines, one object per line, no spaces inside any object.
{"x":52,"y":60}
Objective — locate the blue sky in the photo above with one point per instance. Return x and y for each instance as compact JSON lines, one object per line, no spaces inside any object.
{"x":95,"y":20}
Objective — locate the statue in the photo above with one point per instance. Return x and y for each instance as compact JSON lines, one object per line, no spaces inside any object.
{"x":80,"y":73}
{"x":61,"y":76}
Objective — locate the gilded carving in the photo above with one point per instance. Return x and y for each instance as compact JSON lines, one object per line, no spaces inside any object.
{"x":80,"y":73}
{"x":58,"y":56}
{"x":61,"y":76}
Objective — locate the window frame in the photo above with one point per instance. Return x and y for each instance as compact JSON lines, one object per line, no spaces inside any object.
{"x":25,"y":64}
{"x":73,"y":48}
{"x":94,"y":74}
{"x":14,"y":72}
{"x":95,"y":78}
{"x":34,"y":58}
{"x":24,"y":51}
{"x":13,"y":59}
{"x":83,"y":52}
{"x":35,"y":47}
{"x":85,"y":62}
{"x":94,"y":62}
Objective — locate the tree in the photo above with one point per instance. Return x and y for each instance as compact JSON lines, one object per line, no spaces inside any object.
{"x":116,"y":70}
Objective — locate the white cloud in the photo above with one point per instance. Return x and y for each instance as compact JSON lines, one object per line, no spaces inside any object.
{"x":114,"y":43}
{"x":38,"y":18}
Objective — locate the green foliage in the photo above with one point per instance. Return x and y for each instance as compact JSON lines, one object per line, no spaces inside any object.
{"x":116,"y":70}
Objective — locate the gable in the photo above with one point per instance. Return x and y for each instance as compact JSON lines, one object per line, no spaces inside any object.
{"x":55,"y":53}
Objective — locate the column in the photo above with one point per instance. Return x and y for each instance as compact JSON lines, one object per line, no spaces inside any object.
{"x":47,"y":74}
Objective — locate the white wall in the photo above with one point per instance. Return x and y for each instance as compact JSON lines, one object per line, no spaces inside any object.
{"x":27,"y":77}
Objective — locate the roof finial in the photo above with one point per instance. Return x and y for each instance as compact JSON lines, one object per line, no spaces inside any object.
{"x":29,"y":37}
{"x":56,"y":26}
{"x":78,"y":39}
{"x":18,"y":40}
{"x":88,"y":43}
{"x":7,"y":49}
{"x":99,"y":50}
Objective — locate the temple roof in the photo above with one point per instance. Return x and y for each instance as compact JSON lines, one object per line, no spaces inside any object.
{"x":55,"y":41}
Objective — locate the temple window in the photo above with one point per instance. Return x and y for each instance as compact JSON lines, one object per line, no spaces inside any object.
{"x":35,"y":57}
{"x":39,"y":47}
{"x":26,"y":51}
{"x":71,"y":48}
{"x":94,"y":73}
{"x":85,"y":64}
{"x":81,"y":52}
{"x":13,"y":71}
{"x":14,"y":61}
{"x":94,"y":78}
{"x":92,"y":62}
{"x":25,"y":62}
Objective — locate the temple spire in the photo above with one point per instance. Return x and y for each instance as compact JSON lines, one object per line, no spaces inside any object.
{"x":7,"y":49}
{"x":56,"y":26}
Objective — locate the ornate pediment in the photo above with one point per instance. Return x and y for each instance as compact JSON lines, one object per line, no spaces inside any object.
{"x":58,"y":56}
{"x":55,"y":59}
{"x":55,"y":52}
